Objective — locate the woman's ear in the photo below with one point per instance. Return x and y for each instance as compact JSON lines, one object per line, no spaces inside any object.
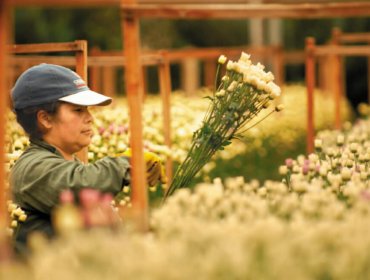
{"x":44,"y":120}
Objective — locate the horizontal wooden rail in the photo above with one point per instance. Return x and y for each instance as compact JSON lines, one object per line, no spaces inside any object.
{"x":92,"y":3}
{"x":242,"y":11}
{"x":294,"y":57}
{"x":212,"y":2}
{"x":354,"y":38}
{"x":65,"y":3}
{"x":342,"y":50}
{"x":146,"y":60}
{"x":116,"y":58}
{"x":46,"y":47}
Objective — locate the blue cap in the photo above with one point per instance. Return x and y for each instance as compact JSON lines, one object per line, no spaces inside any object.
{"x":45,"y":83}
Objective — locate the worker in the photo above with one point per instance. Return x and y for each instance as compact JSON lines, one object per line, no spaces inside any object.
{"x":51,"y":104}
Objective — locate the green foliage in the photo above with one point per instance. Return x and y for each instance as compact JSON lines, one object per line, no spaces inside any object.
{"x":101,"y":27}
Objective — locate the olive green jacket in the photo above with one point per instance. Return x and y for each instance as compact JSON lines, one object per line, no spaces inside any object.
{"x":41,"y":173}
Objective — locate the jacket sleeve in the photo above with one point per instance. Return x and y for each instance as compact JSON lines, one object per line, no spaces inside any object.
{"x":38,"y":182}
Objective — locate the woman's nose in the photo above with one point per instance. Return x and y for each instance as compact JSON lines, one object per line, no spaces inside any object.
{"x":89,"y":118}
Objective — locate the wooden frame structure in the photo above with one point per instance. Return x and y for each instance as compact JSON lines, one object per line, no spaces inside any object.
{"x":340,"y":38}
{"x":312,"y":52}
{"x":208,"y":55}
{"x":131,"y":13}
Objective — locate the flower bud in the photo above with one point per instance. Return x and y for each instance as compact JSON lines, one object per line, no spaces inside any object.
{"x":283,"y":170}
{"x":353,"y":147}
{"x":345,"y":173}
{"x":318,"y":144}
{"x":220,"y":93}
{"x":279,"y":107}
{"x":222,"y":59}
{"x":245,"y":57}
{"x":340,"y":140}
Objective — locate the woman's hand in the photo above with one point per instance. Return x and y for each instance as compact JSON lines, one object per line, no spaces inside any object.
{"x":155,"y":172}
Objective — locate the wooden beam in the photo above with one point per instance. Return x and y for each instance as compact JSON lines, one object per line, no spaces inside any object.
{"x":46,"y":47}
{"x":70,"y":61}
{"x":4,"y":95}
{"x":310,"y":84}
{"x":354,"y":38}
{"x":92,"y":3}
{"x":139,"y":195}
{"x":165,"y":89}
{"x":81,"y":69}
{"x":342,"y":50}
{"x":65,"y":3}
{"x":243,"y":11}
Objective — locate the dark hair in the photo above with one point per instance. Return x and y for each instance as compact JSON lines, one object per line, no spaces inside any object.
{"x":27,"y":118}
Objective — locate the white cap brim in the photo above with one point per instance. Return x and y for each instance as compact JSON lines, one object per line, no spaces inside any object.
{"x":87,"y":98}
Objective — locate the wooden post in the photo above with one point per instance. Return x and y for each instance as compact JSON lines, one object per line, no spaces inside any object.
{"x":278,"y":68}
{"x":210,"y":67}
{"x":368,"y":80}
{"x":131,"y":43}
{"x":81,"y":69}
{"x":94,"y":74}
{"x":310,"y":85}
{"x":109,"y":81}
{"x":190,"y":76}
{"x":325,"y":82}
{"x":5,"y":252}
{"x":145,"y":88}
{"x":278,"y":64}
{"x":165,"y":88}
{"x":336,"y":77}
{"x":337,"y":81}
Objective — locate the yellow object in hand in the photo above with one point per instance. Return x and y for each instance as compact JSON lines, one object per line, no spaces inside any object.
{"x":155,"y":172}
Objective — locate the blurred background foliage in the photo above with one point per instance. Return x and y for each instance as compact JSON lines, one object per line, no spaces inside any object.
{"x":101,"y":27}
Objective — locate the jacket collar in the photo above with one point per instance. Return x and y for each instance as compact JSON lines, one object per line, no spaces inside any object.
{"x":43,"y":144}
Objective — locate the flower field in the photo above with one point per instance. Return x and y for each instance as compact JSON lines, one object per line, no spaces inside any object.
{"x":312,"y":223}
{"x":281,"y":134}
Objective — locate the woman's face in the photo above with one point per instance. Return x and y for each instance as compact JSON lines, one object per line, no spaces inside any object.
{"x":70,"y":129}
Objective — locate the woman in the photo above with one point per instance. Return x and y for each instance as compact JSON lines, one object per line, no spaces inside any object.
{"x":51,"y":104}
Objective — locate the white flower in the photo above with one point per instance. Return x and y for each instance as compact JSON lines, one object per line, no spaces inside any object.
{"x":279,"y":107}
{"x":345,"y":173}
{"x":340,"y":139}
{"x":260,"y":66}
{"x":261,"y":85}
{"x":225,"y":78}
{"x":273,"y":89}
{"x":222,"y":59}
{"x":283,"y":170}
{"x":244,"y":57}
{"x":230,"y":65}
{"x":269,"y":77}
{"x":220,"y":93}
{"x":232,"y":86}
{"x":318,"y":143}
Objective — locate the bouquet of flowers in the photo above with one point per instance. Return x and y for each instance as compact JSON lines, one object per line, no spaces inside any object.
{"x":242,"y":93}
